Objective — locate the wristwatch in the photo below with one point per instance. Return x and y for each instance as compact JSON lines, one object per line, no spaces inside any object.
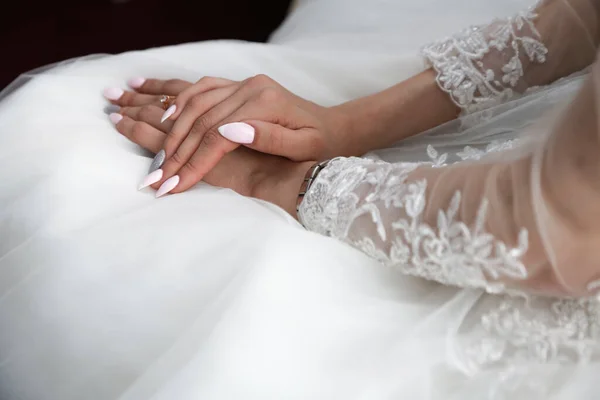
{"x":309,"y":178}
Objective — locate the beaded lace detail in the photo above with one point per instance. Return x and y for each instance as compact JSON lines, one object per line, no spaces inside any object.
{"x":373,"y":207}
{"x":376,"y":208}
{"x":519,"y":334}
{"x":468,"y":153}
{"x":484,"y":66}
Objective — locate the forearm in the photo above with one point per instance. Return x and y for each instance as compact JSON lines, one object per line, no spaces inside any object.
{"x":473,"y":70}
{"x":527,"y":220}
{"x":406,"y":109}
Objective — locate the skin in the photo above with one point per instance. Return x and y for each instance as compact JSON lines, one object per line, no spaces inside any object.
{"x":285,"y":124}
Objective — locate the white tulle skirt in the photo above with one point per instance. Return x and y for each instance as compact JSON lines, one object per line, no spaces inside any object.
{"x":107,"y":293}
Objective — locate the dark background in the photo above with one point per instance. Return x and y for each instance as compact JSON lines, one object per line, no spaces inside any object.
{"x":39,"y":32}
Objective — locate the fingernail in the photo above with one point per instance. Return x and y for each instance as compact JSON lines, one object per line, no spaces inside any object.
{"x":151,"y":179}
{"x":113,"y":93}
{"x":158,"y":161}
{"x":115,"y":118}
{"x":136,"y":82}
{"x":111,"y":108}
{"x":237,"y":132}
{"x":167,"y":186}
{"x":170,"y":111}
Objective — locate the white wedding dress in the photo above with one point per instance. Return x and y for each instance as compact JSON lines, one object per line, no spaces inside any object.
{"x":107,"y":293}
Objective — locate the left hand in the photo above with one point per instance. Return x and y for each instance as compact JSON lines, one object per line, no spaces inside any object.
{"x":138,"y":119}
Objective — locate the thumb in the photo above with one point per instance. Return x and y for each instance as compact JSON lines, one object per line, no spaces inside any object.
{"x":295,"y":144}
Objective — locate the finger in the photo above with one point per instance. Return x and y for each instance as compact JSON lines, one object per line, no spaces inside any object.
{"x":142,"y":134}
{"x":131,"y":99}
{"x":204,"y":147}
{"x":149,"y":114}
{"x":211,"y":150}
{"x":158,"y":87}
{"x":296,"y":144}
{"x":193,"y":122}
{"x":204,"y":85}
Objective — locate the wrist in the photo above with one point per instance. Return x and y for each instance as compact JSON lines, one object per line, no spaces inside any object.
{"x":404,"y":110}
{"x":357,"y":126}
{"x":282,"y":188}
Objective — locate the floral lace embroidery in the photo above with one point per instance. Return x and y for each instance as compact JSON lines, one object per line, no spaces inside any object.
{"x":468,"y":152}
{"x":451,"y":252}
{"x":522,"y":332}
{"x":374,"y":207}
{"x":472,"y":153}
{"x":483,"y":66}
{"x":437,"y":159}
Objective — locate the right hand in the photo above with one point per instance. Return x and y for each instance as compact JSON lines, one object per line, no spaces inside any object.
{"x":287,"y":125}
{"x":275,"y":120}
{"x":194,"y":102}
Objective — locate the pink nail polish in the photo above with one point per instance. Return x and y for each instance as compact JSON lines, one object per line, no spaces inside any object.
{"x":167,"y":186}
{"x":115,"y":118}
{"x":170,"y":111}
{"x":113,"y":93}
{"x":151,"y":179}
{"x":136,"y":82}
{"x":237,"y":132}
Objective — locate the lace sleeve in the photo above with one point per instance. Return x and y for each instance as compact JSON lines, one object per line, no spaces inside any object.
{"x":483,"y":66}
{"x":380,"y":208}
{"x":528,"y":219}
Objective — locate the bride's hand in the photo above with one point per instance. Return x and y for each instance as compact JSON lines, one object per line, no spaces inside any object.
{"x":247,"y":172}
{"x":139,"y":117}
{"x":215,"y":116}
{"x":147,"y":92}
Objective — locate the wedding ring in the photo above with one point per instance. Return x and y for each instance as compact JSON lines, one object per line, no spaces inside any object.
{"x":166,"y":101}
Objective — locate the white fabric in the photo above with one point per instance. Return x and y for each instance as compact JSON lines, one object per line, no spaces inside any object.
{"x":387,"y":26}
{"x":480,"y":67}
{"x":107,"y":293}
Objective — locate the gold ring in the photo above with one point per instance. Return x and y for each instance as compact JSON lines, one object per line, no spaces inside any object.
{"x":166,"y":101}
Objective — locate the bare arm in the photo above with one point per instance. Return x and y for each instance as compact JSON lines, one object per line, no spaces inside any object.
{"x":475,"y":69}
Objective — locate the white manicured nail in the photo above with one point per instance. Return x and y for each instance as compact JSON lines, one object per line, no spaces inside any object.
{"x":151,"y":179}
{"x":115,"y":118}
{"x":136,"y":82}
{"x":167,"y":186}
{"x":170,"y":111}
{"x":113,"y":93}
{"x":237,"y":132}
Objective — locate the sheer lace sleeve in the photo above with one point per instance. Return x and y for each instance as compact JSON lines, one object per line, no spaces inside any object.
{"x":527,"y":220}
{"x":387,"y":211}
{"x":483,"y":66}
